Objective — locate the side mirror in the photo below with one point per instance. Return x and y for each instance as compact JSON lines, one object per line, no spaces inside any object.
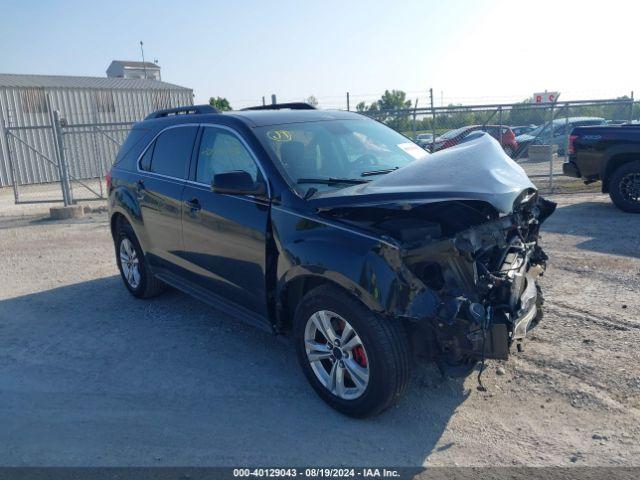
{"x":237,"y":182}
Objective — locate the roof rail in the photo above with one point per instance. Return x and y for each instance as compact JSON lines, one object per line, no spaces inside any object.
{"x":283,"y":106}
{"x":187,"y":110}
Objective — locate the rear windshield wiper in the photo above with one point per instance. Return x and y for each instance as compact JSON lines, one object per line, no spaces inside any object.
{"x":378,"y":172}
{"x":333,"y":181}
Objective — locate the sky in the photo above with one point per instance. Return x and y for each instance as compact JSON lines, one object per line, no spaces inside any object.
{"x":469,"y":52}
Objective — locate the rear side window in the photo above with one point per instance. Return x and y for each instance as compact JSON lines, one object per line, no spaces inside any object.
{"x":172,"y":151}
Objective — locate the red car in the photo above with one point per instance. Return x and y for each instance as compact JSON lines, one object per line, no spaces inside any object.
{"x":454,"y":137}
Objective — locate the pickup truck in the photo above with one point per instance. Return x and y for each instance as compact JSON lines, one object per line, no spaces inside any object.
{"x":610,"y":154}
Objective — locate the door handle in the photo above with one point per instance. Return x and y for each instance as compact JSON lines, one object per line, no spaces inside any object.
{"x":140,"y":189}
{"x":194,"y":204}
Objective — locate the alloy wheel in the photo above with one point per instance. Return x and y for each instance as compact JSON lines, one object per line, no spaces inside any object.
{"x":130,"y":263}
{"x":336,"y":355}
{"x":630,"y":187}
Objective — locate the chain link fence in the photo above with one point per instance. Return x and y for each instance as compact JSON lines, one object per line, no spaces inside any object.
{"x":536,"y":135}
{"x":77,"y":156}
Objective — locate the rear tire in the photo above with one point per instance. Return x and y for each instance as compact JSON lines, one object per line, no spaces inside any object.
{"x":132,"y":263}
{"x":385,"y":352}
{"x":624,"y":187}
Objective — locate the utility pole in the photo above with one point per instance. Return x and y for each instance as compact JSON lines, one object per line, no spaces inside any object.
{"x":263,"y":102}
{"x":433,"y":121}
{"x":144,"y":66}
{"x":347,"y":101}
{"x":273,"y":99}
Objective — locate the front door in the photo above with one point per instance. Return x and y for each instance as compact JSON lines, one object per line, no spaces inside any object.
{"x":225,"y":235}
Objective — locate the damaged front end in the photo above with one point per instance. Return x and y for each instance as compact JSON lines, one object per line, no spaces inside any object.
{"x":466,"y":221}
{"x":486,"y":279}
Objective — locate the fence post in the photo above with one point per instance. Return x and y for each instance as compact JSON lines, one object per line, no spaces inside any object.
{"x":273,"y":99}
{"x":551,"y":147}
{"x":500,"y":123}
{"x":54,"y":134}
{"x":415,"y":133}
{"x":433,"y":122}
{"x":631,"y":108}
{"x":7,"y":151}
{"x":348,"y":109}
{"x":67,"y":194}
{"x":566,"y":129}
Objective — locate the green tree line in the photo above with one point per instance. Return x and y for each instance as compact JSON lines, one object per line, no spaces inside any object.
{"x":392,"y":108}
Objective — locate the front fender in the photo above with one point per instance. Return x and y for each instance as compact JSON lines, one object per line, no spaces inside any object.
{"x":368,"y":267}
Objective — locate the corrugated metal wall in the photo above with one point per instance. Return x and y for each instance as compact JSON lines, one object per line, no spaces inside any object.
{"x":88,"y":152}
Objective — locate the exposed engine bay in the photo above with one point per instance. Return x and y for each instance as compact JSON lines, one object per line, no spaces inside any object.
{"x":481,"y":265}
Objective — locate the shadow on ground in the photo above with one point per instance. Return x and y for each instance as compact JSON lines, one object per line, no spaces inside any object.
{"x":607,"y":229}
{"x":91,"y":376}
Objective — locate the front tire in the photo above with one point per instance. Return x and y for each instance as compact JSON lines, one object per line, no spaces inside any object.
{"x":624,"y":187}
{"x":356,"y":360}
{"x":132,"y":263}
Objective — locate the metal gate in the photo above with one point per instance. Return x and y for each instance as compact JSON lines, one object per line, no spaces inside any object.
{"x":74,"y":156}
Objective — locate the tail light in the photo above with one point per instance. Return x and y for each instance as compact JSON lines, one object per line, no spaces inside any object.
{"x":107,"y":178}
{"x":572,"y":139}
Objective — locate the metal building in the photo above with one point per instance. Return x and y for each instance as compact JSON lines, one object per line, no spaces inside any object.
{"x":96,"y":113}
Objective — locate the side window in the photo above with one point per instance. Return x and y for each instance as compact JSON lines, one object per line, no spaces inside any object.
{"x":145,"y":161}
{"x":220,"y":152}
{"x":172,"y":151}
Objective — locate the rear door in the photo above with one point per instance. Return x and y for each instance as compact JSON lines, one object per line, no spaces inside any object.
{"x":164,"y":168}
{"x":225,"y":235}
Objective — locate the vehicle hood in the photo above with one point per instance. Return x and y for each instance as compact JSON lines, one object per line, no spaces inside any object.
{"x":475,"y":170}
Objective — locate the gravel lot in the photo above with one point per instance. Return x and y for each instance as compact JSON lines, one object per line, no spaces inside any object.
{"x":91,"y":376}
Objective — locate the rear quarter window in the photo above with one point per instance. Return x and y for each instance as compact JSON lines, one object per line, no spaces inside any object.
{"x":172,"y":151}
{"x":133,"y":140}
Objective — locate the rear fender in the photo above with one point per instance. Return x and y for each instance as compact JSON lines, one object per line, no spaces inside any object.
{"x":123,"y":202}
{"x":614,"y":158}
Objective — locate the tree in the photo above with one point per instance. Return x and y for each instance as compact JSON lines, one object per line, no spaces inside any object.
{"x":220,"y":103}
{"x":361,"y":107}
{"x":393,"y":100}
{"x":311,"y":100}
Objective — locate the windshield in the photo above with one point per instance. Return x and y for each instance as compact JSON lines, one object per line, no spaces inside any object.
{"x":336,"y":153}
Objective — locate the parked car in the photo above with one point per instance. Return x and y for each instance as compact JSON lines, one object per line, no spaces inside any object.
{"x":424,"y":140}
{"x":454,"y":137}
{"x":336,"y":230}
{"x":611,"y":154}
{"x":522,"y":129}
{"x":560,"y":128}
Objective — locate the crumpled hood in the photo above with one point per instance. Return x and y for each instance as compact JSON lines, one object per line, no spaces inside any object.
{"x":475,"y":170}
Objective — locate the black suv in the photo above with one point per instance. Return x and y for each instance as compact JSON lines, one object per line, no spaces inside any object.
{"x":336,"y":230}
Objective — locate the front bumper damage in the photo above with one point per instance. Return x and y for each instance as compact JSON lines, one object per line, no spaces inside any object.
{"x":486,"y":282}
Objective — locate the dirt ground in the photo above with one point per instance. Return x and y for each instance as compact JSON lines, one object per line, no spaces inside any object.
{"x":91,"y":376}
